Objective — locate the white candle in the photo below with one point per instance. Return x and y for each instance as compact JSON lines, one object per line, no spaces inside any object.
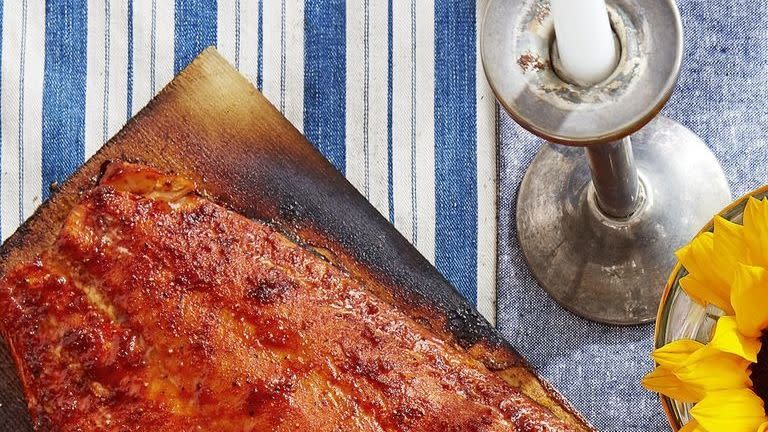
{"x":585,"y":41}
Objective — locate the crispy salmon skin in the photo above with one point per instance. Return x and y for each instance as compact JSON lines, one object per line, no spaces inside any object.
{"x":159,"y":310}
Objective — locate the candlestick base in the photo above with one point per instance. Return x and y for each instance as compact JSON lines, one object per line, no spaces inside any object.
{"x":614,"y":270}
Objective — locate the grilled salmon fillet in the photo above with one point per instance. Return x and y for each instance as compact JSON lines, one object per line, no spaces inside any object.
{"x":159,"y":310}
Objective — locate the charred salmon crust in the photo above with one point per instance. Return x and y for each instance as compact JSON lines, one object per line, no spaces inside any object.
{"x":159,"y":310}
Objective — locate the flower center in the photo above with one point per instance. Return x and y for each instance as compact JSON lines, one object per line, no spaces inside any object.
{"x":759,"y":371}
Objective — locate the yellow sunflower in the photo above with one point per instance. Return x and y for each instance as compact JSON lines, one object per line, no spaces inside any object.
{"x":727,"y":378}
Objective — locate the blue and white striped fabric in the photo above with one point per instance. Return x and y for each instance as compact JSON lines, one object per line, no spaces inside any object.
{"x":391,"y":91}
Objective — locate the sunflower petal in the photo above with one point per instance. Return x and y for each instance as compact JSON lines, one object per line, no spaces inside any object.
{"x":706,"y":282}
{"x":698,"y":254}
{"x":738,"y":410}
{"x":749,"y":300}
{"x":692,"y":426}
{"x":730,"y":245}
{"x":763,"y":427}
{"x":674,"y":354}
{"x":756,"y":224}
{"x":728,"y":339}
{"x":712,"y":370}
{"x":703,"y":293}
{"x":662,"y":380}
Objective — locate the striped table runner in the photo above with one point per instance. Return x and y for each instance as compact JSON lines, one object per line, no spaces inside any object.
{"x":391,"y":91}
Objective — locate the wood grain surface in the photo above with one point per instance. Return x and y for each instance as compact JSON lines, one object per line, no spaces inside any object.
{"x":211,"y":125}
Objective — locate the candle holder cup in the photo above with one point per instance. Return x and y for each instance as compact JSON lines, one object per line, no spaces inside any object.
{"x":599,"y":232}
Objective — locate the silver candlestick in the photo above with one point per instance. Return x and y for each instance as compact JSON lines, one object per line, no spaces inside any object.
{"x":599,"y":233}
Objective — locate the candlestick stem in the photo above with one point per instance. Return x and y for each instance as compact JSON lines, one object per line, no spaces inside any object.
{"x":614,"y":177}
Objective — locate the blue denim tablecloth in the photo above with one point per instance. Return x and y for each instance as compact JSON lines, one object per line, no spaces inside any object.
{"x":723,"y":97}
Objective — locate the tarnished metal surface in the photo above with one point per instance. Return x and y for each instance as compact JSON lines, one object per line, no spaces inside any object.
{"x":614,"y":176}
{"x":517,"y":51}
{"x":599,"y":235}
{"x":610,"y":269}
